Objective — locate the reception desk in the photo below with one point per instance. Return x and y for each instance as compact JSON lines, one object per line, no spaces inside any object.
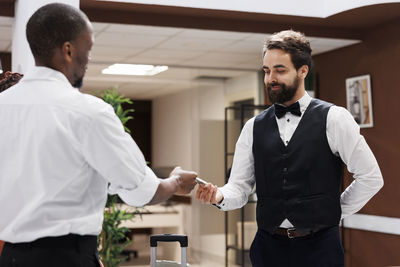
{"x":157,"y":216}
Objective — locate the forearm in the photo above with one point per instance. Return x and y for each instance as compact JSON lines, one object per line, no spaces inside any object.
{"x":165,"y":190}
{"x":235,"y":193}
{"x":359,"y":193}
{"x":345,"y":140}
{"x":154,"y":190}
{"x":368,"y":180}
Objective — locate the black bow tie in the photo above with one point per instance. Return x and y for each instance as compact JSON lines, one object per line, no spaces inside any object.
{"x":294,"y":108}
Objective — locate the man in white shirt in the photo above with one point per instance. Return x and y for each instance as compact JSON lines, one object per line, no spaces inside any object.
{"x":62,"y":152}
{"x":293,"y":151}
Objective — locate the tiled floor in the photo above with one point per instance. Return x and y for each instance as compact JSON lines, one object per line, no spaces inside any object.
{"x":144,"y":262}
{"x":141,"y":245}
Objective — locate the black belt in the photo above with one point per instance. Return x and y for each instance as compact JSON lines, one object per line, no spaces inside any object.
{"x":292,"y":233}
{"x":87,"y":243}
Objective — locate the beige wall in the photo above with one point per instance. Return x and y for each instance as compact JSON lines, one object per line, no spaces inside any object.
{"x":172,"y":131}
{"x":188,"y":130}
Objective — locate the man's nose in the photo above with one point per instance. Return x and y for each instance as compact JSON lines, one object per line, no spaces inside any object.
{"x":271,"y":78}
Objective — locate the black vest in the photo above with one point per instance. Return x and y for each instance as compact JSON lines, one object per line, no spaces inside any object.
{"x":300,"y":181}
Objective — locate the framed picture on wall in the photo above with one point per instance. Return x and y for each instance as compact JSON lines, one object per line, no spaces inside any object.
{"x":359,"y":102}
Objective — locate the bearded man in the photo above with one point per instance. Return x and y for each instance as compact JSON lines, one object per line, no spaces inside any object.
{"x":294,"y":152}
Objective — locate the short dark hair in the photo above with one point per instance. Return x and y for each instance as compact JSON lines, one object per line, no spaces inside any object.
{"x":293,"y":43}
{"x":51,"y":26}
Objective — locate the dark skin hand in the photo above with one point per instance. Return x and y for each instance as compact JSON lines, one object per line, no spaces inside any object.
{"x":179,"y":182}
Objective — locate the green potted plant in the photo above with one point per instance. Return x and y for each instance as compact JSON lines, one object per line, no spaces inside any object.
{"x":113,"y":238}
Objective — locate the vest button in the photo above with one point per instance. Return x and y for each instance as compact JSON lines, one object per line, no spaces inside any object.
{"x":285,"y":169}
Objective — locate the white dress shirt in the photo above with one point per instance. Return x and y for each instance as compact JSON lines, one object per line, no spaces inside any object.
{"x":344,"y":140}
{"x":59,"y":150}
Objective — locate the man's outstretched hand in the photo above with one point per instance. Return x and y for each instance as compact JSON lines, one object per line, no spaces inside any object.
{"x":186,"y":180}
{"x":209,"y":194}
{"x":179,"y":182}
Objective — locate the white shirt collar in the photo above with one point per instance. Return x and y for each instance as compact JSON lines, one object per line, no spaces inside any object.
{"x":304,"y":101}
{"x":45,"y":73}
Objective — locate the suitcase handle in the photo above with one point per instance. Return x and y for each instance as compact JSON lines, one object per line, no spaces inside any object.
{"x":182,"y":239}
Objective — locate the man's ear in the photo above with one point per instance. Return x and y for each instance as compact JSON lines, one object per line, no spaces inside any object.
{"x":303,"y":71}
{"x":67,"y":51}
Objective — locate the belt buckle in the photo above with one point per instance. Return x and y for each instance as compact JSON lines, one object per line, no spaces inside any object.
{"x":290,"y":232}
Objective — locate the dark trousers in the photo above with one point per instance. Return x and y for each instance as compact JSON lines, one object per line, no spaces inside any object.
{"x":63,"y":251}
{"x":321,"y":249}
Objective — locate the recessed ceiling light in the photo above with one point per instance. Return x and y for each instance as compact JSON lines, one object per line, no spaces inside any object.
{"x":133,"y":69}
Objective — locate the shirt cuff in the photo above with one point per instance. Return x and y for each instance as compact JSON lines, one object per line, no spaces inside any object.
{"x":142,"y":194}
{"x":224,"y":203}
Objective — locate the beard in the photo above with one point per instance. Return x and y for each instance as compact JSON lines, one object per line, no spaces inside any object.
{"x":78,"y":83}
{"x":284,"y":94}
{"x":80,"y":70}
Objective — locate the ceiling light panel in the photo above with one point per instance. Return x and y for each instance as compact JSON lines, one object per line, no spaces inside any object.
{"x":134,"y":69}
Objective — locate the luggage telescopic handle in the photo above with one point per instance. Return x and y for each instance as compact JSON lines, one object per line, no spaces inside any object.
{"x":182,"y":239}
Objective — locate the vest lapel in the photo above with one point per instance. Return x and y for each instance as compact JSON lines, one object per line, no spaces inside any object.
{"x":300,"y":125}
{"x":275,"y":126}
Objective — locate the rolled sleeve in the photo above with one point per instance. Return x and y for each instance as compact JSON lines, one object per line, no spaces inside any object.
{"x":143,"y":193}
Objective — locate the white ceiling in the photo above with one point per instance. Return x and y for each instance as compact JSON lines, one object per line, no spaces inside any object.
{"x":193,"y":56}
